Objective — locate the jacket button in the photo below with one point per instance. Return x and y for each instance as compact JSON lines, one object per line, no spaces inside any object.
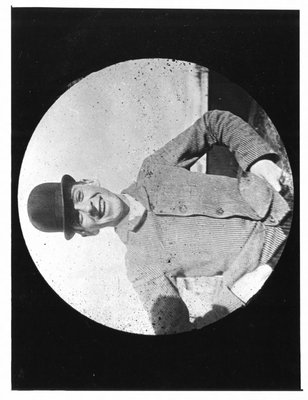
{"x":182,"y":208}
{"x":272,"y":219}
{"x":219,"y":211}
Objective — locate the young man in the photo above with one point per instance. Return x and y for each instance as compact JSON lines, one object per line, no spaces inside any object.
{"x":176,"y":223}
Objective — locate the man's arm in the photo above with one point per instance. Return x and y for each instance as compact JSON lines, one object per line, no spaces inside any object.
{"x":214,"y":127}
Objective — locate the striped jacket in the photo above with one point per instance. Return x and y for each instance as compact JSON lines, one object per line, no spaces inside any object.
{"x":197,"y":224}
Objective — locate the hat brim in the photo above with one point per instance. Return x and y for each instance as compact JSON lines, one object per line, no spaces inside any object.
{"x":66,"y":185}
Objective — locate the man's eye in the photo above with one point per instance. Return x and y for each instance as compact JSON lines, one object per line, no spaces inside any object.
{"x":80,"y":219}
{"x":79,"y":196}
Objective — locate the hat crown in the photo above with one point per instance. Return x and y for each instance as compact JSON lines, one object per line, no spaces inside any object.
{"x":46,"y":208}
{"x":50,"y":207}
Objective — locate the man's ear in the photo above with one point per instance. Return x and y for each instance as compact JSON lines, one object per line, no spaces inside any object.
{"x":93,"y":181}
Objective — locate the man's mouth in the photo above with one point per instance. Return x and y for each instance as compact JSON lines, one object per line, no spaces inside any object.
{"x":101,"y":207}
{"x":98,"y":207}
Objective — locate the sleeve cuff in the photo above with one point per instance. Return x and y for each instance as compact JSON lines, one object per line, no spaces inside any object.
{"x":269,"y":156}
{"x":248,"y":160}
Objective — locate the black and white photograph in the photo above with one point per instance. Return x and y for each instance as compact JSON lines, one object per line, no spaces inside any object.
{"x":155,"y":241}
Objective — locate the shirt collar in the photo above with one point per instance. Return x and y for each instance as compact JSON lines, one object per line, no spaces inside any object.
{"x":134,"y":219}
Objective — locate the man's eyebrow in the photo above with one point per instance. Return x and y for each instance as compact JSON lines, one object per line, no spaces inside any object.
{"x":73,"y":190}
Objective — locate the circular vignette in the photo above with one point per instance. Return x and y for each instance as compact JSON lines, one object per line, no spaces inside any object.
{"x":103,"y":127}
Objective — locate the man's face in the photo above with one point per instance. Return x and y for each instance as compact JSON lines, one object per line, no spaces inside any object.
{"x":97,"y":207}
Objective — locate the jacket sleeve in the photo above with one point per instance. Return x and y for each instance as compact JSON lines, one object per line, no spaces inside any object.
{"x":214,"y":127}
{"x":167,"y":311}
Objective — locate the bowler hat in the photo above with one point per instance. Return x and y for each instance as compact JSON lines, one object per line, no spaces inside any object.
{"x":50,"y":207}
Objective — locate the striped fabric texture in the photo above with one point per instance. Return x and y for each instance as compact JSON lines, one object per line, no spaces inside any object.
{"x":197,"y":225}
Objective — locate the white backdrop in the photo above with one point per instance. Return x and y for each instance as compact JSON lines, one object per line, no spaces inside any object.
{"x":103,"y":127}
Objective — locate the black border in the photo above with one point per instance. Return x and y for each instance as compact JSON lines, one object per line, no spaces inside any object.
{"x":55,"y":347}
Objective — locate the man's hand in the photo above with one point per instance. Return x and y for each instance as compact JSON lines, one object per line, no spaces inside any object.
{"x":268,"y":170}
{"x":250,"y":283}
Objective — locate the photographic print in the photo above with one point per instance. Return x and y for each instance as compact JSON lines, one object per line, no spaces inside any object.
{"x":155,"y":197}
